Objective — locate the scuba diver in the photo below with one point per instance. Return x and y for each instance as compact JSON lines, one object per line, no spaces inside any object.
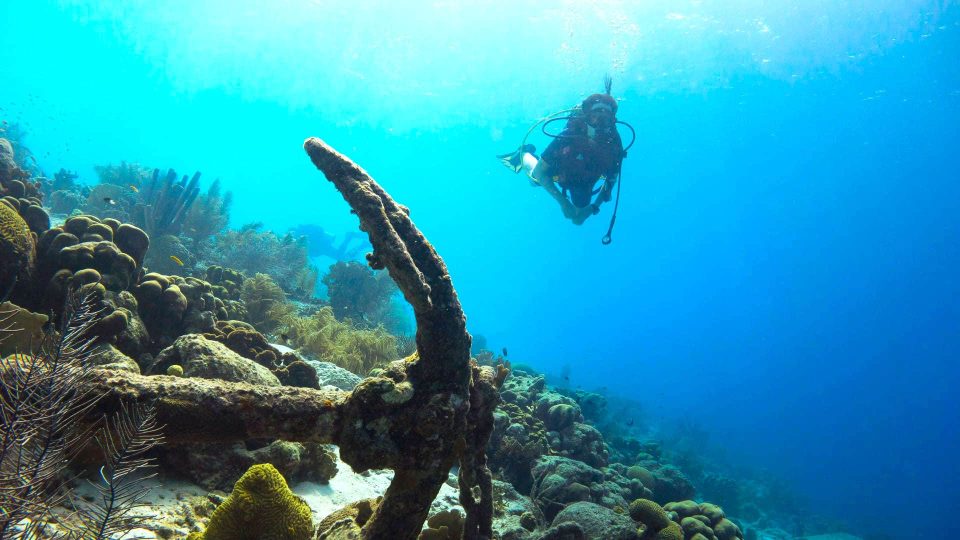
{"x":587,"y":150}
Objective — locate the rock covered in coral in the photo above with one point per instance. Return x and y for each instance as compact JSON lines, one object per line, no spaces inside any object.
{"x":518,"y":440}
{"x":329,"y":374}
{"x":261,"y":506}
{"x":579,"y":441}
{"x":671,"y":485}
{"x":14,"y":181}
{"x":107,"y":356}
{"x":515,"y":516}
{"x":558,"y":481}
{"x":17,"y":255}
{"x":28,"y":328}
{"x":207,"y":359}
{"x":218,"y":466}
{"x":7,"y":164}
{"x":598,"y":522}
{"x":243,"y":339}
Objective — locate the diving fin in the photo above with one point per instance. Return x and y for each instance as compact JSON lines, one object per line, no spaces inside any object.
{"x":514,"y":160}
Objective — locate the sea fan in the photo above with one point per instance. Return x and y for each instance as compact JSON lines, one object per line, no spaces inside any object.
{"x":44,"y":424}
{"x":41,"y":408}
{"x":125,"y":440}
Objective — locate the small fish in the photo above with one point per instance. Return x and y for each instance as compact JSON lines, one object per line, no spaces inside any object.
{"x":134,"y":188}
{"x":566,"y":378}
{"x":284,"y":337}
{"x":176,"y":259}
{"x":109,"y":201}
{"x":505,"y":352}
{"x":630,"y":422}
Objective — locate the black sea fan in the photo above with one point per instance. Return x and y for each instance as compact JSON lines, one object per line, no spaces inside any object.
{"x":45,"y":411}
{"x":126,"y":439}
{"x":41,"y":407}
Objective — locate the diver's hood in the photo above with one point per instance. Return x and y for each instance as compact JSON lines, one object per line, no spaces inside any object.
{"x":599,"y":100}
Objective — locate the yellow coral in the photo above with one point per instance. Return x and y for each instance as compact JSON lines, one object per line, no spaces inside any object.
{"x":649,"y":513}
{"x":266,"y":303}
{"x":341,"y":343}
{"x":16,"y":249}
{"x":260,"y":507}
{"x":670,"y":532}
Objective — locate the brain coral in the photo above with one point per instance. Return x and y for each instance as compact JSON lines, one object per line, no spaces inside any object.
{"x":16,"y":249}
{"x":260,"y":507}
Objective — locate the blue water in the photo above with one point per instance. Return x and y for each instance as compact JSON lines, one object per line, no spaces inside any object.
{"x":785,"y":262}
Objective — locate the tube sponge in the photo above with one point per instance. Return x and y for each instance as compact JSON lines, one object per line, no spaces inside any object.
{"x":260,"y":507}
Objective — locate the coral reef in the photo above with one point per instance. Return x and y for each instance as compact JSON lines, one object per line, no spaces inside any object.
{"x":262,"y":252}
{"x":519,"y":438}
{"x":417,"y":418}
{"x":360,"y":294}
{"x":266,"y":303}
{"x":260,"y":506}
{"x":16,"y":166}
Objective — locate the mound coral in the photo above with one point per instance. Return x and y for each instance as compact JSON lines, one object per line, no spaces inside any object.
{"x":260,"y":506}
{"x":172,"y":306}
{"x":444,"y":525}
{"x":329,"y":340}
{"x":706,"y":519}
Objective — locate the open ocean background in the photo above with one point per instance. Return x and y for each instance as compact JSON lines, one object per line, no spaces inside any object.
{"x":785,"y":269}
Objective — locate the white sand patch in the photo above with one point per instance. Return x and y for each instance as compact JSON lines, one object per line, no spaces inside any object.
{"x":348,"y":486}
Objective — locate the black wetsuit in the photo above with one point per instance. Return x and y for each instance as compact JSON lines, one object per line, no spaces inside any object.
{"x":576,"y":161}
